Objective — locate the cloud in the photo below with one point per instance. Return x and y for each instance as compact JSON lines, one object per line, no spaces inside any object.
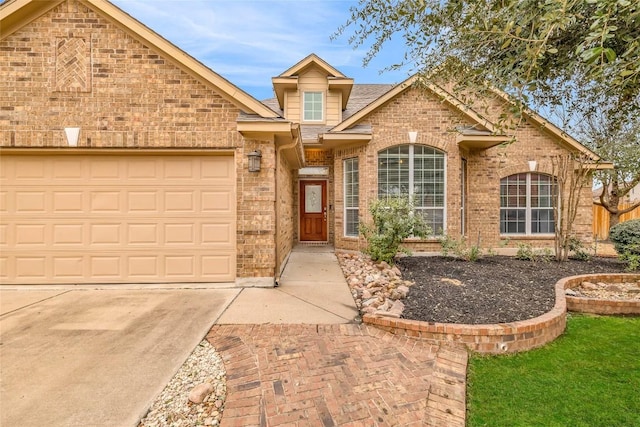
{"x":250,"y":41}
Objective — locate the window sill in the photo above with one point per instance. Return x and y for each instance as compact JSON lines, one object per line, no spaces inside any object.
{"x":528,"y":236}
{"x":435,"y":239}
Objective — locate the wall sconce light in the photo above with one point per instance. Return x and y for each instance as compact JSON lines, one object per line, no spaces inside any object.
{"x":532,"y":165}
{"x":255,"y":158}
{"x":72,"y":135}
{"x":413,"y":136}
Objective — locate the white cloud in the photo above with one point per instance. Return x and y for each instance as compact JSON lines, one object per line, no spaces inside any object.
{"x":250,"y":41}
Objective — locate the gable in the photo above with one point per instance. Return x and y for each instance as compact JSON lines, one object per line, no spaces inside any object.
{"x":18,"y":13}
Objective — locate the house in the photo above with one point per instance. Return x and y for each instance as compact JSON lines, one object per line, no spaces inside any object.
{"x":125,"y":160}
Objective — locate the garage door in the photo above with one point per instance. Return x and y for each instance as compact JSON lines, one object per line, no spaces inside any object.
{"x":117,"y":218}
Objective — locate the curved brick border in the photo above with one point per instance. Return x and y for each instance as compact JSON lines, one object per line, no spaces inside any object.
{"x":602,"y":306}
{"x":495,"y":338}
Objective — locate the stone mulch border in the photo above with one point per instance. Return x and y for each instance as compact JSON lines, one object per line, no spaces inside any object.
{"x":599,"y":305}
{"x":509,"y":337}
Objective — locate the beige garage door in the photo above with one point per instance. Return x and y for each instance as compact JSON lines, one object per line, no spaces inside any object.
{"x":117,"y":218}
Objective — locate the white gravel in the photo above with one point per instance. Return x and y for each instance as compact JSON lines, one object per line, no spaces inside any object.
{"x":173,"y":408}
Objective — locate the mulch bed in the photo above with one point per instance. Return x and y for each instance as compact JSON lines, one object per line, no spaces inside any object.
{"x":494,"y":289}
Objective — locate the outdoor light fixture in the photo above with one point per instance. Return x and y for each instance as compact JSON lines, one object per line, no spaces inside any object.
{"x":255,"y":158}
{"x":532,"y":165}
{"x":413,"y":136}
{"x":72,"y":136}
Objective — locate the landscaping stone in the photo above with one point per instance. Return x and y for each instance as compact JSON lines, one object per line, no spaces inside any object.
{"x":377,"y":287}
{"x":200,"y":392}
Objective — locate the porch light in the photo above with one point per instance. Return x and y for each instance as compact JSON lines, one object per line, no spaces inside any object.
{"x":413,"y":137}
{"x":532,"y":165}
{"x":72,"y":135}
{"x":255,"y":158}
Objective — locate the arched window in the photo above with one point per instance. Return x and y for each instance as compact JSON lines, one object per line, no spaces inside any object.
{"x":526,"y":205}
{"x":416,"y":171}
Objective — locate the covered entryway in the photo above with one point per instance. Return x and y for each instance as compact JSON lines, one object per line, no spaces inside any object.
{"x":313,"y":211}
{"x":117,"y":218}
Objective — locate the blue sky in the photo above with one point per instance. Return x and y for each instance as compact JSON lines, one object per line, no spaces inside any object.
{"x":250,"y":41}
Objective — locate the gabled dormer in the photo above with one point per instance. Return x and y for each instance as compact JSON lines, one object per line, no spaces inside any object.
{"x":312,"y":92}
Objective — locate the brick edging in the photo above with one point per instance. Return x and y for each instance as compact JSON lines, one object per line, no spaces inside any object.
{"x":599,"y":305}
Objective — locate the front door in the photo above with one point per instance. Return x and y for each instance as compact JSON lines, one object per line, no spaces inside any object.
{"x":313,"y":211}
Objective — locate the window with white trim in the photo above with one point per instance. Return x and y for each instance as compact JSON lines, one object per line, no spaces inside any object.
{"x":351,"y":197}
{"x":416,"y":171}
{"x":312,"y":107}
{"x":526,"y":205}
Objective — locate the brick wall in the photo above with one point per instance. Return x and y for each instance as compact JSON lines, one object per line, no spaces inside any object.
{"x":284,"y":207}
{"x":435,"y":122}
{"x":73,"y":68}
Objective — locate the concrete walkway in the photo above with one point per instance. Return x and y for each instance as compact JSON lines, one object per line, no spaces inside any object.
{"x":312,"y":290}
{"x":294,"y":357}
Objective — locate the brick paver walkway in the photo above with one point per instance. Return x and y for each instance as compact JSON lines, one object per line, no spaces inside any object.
{"x":338,"y":375}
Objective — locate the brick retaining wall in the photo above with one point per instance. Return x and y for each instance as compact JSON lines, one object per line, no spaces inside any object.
{"x":602,"y":306}
{"x":509,"y":337}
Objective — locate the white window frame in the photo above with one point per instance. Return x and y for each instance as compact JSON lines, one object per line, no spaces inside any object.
{"x":528,"y":209}
{"x":347,"y":208}
{"x":304,"y":106}
{"x":411,"y":184}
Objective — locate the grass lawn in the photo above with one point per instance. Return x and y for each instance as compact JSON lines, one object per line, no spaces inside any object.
{"x":588,"y":377}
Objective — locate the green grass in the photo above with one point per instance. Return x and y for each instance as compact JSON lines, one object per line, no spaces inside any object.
{"x":588,"y":377}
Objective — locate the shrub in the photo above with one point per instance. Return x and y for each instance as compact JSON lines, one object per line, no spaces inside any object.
{"x":526,"y":252}
{"x":394,"y":220}
{"x":579,"y":251}
{"x":459,"y":248}
{"x":626,"y":239}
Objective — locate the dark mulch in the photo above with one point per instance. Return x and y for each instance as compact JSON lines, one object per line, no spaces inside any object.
{"x":494,"y":289}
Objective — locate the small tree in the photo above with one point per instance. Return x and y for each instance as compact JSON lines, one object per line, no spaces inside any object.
{"x":394,"y":220}
{"x":572,"y":177}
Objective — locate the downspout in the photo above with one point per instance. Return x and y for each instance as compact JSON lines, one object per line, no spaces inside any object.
{"x":294,"y":130}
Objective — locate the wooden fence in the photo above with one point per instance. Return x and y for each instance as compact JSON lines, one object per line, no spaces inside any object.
{"x":601,"y":219}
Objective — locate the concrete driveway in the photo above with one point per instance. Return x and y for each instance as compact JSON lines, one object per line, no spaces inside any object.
{"x":87,"y":357}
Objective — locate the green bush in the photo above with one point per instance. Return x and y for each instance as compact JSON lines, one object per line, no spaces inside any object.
{"x":394,"y":220}
{"x":626,"y":239}
{"x":626,"y":236}
{"x":580,"y":252}
{"x":526,"y":252}
{"x":459,"y":248}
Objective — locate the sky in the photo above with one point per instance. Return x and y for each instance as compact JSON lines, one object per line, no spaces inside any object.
{"x":250,"y":41}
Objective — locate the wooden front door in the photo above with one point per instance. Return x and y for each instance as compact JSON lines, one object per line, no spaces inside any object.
{"x":313,"y":211}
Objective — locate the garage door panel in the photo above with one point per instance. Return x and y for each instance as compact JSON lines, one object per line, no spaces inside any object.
{"x":68,"y":168}
{"x":179,"y":266}
{"x":31,"y":267}
{"x":179,"y":169}
{"x":117,"y":219}
{"x":30,"y":234}
{"x":30,"y":201}
{"x":105,"y":234}
{"x":216,"y":201}
{"x":179,"y":234}
{"x":218,"y":266}
{"x":107,"y":168}
{"x":143,"y":202}
{"x":4,"y":206}
{"x":68,"y":234}
{"x":68,"y":267}
{"x":216,"y":233}
{"x":30,"y":168}
{"x":179,"y":201}
{"x":105,"y":267}
{"x":143,"y":234}
{"x":105,"y":201}
{"x":142,"y":169}
{"x":143,"y":267}
{"x":65,"y":201}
